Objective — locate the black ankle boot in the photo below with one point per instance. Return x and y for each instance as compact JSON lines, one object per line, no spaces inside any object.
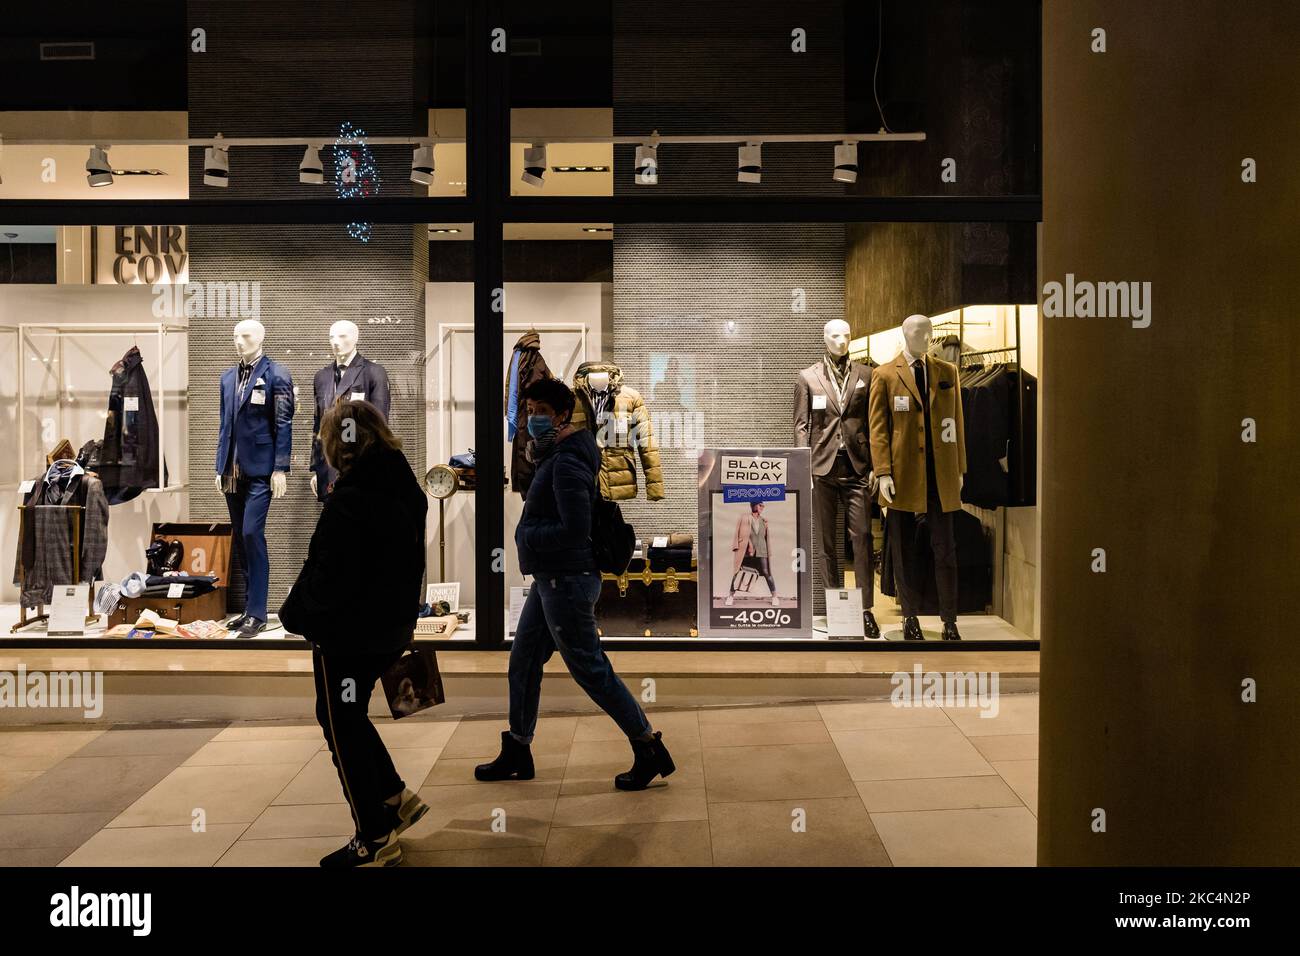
{"x":515,"y":762}
{"x":870,"y":629}
{"x":950,"y":631}
{"x":651,"y":760}
{"x":912,"y":629}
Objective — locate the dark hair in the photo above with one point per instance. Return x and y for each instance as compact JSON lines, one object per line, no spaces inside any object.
{"x":554,"y":393}
{"x":754,"y":506}
{"x":350,"y":429}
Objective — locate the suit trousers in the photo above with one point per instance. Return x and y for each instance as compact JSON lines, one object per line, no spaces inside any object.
{"x":902,"y":546}
{"x":843,"y":488}
{"x":248,"y":507}
{"x":365,"y":769}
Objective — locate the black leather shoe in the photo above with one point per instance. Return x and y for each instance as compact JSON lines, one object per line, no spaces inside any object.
{"x":912,"y":629}
{"x":870,"y":629}
{"x":950,"y":632}
{"x":650,"y":759}
{"x":251,"y":627}
{"x":235,"y":623}
{"x":515,"y":762}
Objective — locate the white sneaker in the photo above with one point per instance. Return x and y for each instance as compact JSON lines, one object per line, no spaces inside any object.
{"x":776,"y":601}
{"x":731,"y":599}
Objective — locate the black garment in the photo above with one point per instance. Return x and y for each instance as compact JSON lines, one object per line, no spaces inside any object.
{"x":360,"y":588}
{"x":842,"y":489}
{"x":364,"y":766}
{"x":128,"y":458}
{"x":909,"y":572}
{"x":974,"y":564}
{"x":157,"y":585}
{"x":996,"y":430}
{"x":554,"y":533}
{"x":527,"y":366}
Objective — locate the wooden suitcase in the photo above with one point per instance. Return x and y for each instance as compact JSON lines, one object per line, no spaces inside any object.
{"x":646,"y":603}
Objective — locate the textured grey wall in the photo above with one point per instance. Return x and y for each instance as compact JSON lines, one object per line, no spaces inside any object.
{"x":300,"y":69}
{"x":676,"y":288}
{"x":687,"y":67}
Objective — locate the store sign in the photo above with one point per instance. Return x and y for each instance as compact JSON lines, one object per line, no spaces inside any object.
{"x":752,"y":478}
{"x":142,"y":255}
{"x":755,"y":534}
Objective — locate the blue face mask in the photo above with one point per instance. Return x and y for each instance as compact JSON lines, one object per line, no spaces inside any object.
{"x":539,"y":425}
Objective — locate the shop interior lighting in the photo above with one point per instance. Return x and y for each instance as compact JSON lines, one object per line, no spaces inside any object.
{"x":422,"y":165}
{"x":579,"y":169}
{"x":311,"y":170}
{"x":98,"y":171}
{"x":216,"y":164}
{"x":846,"y":163}
{"x":534,"y":164}
{"x":749,"y":163}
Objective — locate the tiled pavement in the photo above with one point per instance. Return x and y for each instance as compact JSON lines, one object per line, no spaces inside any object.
{"x":856,"y":784}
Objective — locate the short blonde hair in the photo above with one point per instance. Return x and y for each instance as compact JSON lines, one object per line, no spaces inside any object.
{"x":350,"y":429}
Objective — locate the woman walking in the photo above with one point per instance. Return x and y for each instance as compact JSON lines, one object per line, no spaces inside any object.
{"x":554,"y":542}
{"x":356,"y":600}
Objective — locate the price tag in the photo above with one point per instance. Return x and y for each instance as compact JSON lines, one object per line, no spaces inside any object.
{"x":27,"y":486}
{"x":131,"y":403}
{"x":175,"y":590}
{"x":68,"y":610}
{"x":660,"y":542}
{"x":517,"y":598}
{"x":844,"y":614}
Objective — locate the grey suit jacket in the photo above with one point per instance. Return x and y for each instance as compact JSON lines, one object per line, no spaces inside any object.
{"x":821,"y":421}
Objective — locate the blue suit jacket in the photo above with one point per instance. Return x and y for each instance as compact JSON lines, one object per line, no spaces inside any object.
{"x":263,"y":429}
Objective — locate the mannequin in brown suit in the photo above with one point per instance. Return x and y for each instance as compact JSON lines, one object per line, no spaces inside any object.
{"x":918,"y":450}
{"x":830,"y":417}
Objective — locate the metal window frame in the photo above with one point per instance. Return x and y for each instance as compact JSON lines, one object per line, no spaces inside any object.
{"x":489,"y":205}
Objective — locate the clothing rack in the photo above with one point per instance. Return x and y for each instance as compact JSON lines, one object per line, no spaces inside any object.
{"x":59,"y":330}
{"x":41,"y":615}
{"x":1012,"y":352}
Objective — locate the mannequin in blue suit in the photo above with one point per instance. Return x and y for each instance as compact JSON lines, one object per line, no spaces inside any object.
{"x":254,"y":445}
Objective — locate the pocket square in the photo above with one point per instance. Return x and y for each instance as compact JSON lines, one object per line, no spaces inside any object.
{"x":945,"y":384}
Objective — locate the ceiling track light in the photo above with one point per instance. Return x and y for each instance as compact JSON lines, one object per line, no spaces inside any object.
{"x":647,"y":162}
{"x":749,"y":163}
{"x":98,"y":170}
{"x":534,"y":164}
{"x":846,"y":163}
{"x":216,"y":164}
{"x":311,"y":170}
{"x":422,"y":166}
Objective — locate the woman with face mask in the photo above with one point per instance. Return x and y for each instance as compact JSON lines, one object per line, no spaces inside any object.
{"x":554,"y":542}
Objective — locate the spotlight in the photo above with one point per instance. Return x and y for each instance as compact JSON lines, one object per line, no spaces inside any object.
{"x":647,"y":165}
{"x":216,"y":165}
{"x":310,"y":170}
{"x":422,"y":165}
{"x":846,"y":163}
{"x":534,"y":164}
{"x":98,"y":171}
{"x":749,"y":164}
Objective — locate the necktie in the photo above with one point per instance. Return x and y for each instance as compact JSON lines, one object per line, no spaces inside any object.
{"x":918,"y":369}
{"x":338,"y":373}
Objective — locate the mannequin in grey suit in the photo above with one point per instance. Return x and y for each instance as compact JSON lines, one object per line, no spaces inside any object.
{"x":830,"y":417}
{"x":349,"y":376}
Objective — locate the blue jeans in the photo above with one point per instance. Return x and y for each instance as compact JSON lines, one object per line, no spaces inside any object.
{"x":561,"y":613}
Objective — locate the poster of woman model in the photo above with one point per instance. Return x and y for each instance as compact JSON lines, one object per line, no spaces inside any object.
{"x":754,"y":528}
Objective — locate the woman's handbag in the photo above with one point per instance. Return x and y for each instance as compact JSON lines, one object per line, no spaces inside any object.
{"x":413,"y":683}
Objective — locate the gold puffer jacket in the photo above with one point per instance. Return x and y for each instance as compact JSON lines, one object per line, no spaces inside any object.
{"x":623,"y":433}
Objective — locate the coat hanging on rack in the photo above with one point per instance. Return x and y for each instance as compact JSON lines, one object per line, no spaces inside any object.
{"x":128,"y":458}
{"x":45,"y":545}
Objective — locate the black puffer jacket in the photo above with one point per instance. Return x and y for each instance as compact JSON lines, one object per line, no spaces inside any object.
{"x":359,"y":591}
{"x":554,"y":534}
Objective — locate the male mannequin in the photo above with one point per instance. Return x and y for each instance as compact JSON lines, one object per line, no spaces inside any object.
{"x":830,"y":417}
{"x":918,"y":448}
{"x":351,"y":377}
{"x":253,"y":451}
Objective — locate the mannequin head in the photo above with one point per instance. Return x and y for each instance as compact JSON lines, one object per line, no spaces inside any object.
{"x":836,"y":334}
{"x":598,"y":381}
{"x":248,"y":338}
{"x":917,"y":331}
{"x":343,"y":339}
